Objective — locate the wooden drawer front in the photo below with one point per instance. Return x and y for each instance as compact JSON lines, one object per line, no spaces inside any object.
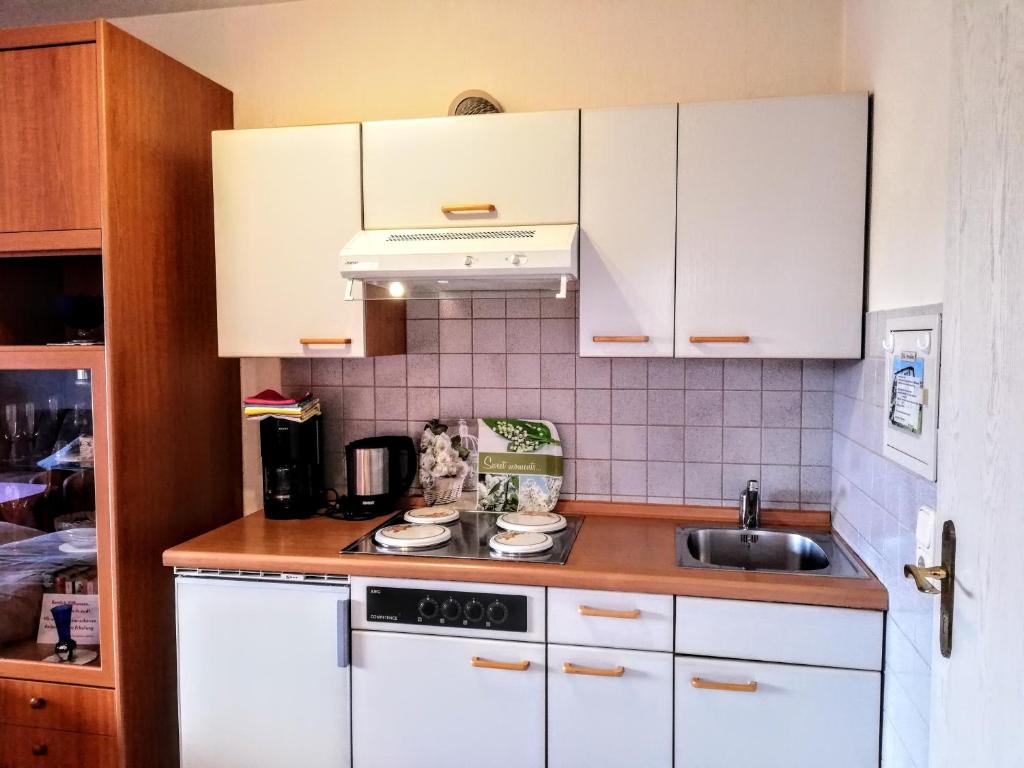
{"x":795,"y":634}
{"x":610,"y":619}
{"x":61,"y":707}
{"x":42,"y":748}
{"x":775,"y":715}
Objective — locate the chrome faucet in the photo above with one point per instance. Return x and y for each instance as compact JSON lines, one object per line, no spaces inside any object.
{"x":750,"y":506}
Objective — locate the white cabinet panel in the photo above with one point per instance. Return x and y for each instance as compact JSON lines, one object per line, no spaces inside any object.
{"x":798,"y":717}
{"x":417,"y":700}
{"x":286,"y":200}
{"x":596,"y":720}
{"x":524,"y":164}
{"x":771,"y":207}
{"x":628,"y":232}
{"x":610,"y":619}
{"x":797,"y":634}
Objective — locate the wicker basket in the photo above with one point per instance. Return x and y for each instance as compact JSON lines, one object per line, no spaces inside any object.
{"x":443,"y":490}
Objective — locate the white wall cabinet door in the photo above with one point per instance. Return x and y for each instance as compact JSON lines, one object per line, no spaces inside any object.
{"x":418,"y":700}
{"x":525,"y":164}
{"x":628,"y":231}
{"x":798,"y":717}
{"x":770,"y":242}
{"x":286,"y":200}
{"x":599,"y":720}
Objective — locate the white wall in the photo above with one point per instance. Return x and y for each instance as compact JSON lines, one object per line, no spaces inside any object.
{"x":900,"y":50}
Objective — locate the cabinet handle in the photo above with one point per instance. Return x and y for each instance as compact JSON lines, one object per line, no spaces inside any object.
{"x":39,"y":750}
{"x":719,"y":339}
{"x":37,"y":702}
{"x":604,"y":613}
{"x":621,"y":339}
{"x":512,"y":666}
{"x":713,"y":685}
{"x":306,"y":341}
{"x":447,"y":210}
{"x":572,"y":669}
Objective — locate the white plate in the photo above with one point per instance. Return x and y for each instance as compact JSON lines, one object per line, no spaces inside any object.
{"x":412,"y":535}
{"x":520,"y":543}
{"x":74,"y":549}
{"x":541,"y":522}
{"x":438,"y":515}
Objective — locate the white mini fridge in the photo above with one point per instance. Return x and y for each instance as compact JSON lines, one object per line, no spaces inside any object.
{"x":263,"y":670}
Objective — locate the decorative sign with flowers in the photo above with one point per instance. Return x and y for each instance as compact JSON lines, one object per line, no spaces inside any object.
{"x":520,"y":466}
{"x":444,"y":464}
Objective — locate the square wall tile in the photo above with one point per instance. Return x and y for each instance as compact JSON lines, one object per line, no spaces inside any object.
{"x":703,"y":444}
{"x":743,"y":374}
{"x":666,"y":407}
{"x":523,"y":335}
{"x":358,"y":371}
{"x":629,"y":443}
{"x":456,"y":336}
{"x":666,"y":373}
{"x":629,"y":406}
{"x":455,"y":309}
{"x":593,"y":441}
{"x":558,"y":371}
{"x":735,"y":478}
{"x":423,"y":370}
{"x":522,"y":403}
{"x":357,"y":403}
{"x":389,"y":371}
{"x":489,"y":336}
{"x":295,"y":372}
{"x":816,"y":410}
{"x":818,"y":375}
{"x":332,"y":403}
{"x":815,"y":484}
{"x":593,"y":477}
{"x":421,"y":336}
{"x":629,"y":478}
{"x":552,"y":307}
{"x":424,"y":403}
{"x":629,"y":373}
{"x":489,"y":308}
{"x":703,"y":408}
{"x":742,"y":408}
{"x":421,"y":309}
{"x":456,"y":370}
{"x":666,"y":443}
{"x":780,"y":409}
{"x":523,"y":371}
{"x":703,"y":480}
{"x":522,"y":306}
{"x":816,"y":447}
{"x":593,"y":373}
{"x":665,"y":479}
{"x":704,"y":374}
{"x":782,"y":374}
{"x":456,"y":402}
{"x":489,"y":370}
{"x":390,"y":404}
{"x":780,"y":484}
{"x":558,"y":405}
{"x":741,"y":445}
{"x":780,"y":446}
{"x":489,"y":403}
{"x":328,"y":371}
{"x":557,"y":335}
{"x":593,"y":406}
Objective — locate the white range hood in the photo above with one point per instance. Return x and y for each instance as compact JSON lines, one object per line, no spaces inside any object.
{"x":430,"y":262}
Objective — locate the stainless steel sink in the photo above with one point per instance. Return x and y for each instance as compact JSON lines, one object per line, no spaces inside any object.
{"x":760,"y":549}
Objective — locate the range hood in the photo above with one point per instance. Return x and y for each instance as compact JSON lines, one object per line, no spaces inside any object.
{"x":431,"y":262}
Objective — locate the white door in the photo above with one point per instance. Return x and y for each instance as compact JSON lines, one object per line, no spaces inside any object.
{"x":263,"y":674}
{"x":609,"y":707}
{"x":771,"y":227}
{"x":978,"y":693}
{"x":286,"y":200}
{"x":524,"y":166}
{"x":758,"y":715}
{"x":627,"y":231}
{"x":433,"y":702}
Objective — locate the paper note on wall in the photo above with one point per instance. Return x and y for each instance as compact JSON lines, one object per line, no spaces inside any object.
{"x":85,"y":618}
{"x":906,"y":401}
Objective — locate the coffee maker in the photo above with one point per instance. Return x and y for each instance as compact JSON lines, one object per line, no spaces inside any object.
{"x":380,"y":470}
{"x":293,"y":470}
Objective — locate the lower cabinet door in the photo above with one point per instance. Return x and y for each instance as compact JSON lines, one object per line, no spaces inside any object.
{"x":757,"y":715}
{"x":45,"y":748}
{"x":609,"y":707}
{"x":435,"y":702}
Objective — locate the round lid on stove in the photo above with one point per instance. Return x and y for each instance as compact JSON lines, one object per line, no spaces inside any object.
{"x":542,"y":522}
{"x":520,"y":542}
{"x":412,"y":535}
{"x":438,"y":515}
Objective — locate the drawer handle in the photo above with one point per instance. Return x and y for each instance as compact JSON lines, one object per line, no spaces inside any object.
{"x":604,"y":613}
{"x":511,"y":666}
{"x":307,"y":341}
{"x":447,"y":210}
{"x":714,"y":685}
{"x":37,"y":702}
{"x":572,"y":669}
{"x":719,"y":339}
{"x":621,"y":339}
{"x":40,"y":750}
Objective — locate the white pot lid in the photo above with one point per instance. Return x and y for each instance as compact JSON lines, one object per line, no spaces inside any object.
{"x":412,"y":535}
{"x":426,"y":515}
{"x":520,"y":543}
{"x":541,"y":522}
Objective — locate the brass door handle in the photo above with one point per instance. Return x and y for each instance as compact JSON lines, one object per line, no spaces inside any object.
{"x":511,"y":666}
{"x":920,"y":575}
{"x":572,"y":669}
{"x":714,"y":685}
{"x":468,"y":208}
{"x":621,"y":339}
{"x":305,"y":341}
{"x":604,"y":613}
{"x":719,"y":339}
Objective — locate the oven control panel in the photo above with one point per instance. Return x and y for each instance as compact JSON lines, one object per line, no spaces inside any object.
{"x":443,"y":608}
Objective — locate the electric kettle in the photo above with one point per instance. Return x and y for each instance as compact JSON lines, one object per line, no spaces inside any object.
{"x":380,"y":470}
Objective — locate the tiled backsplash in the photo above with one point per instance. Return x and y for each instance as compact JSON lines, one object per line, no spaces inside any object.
{"x":874,"y":504}
{"x":632,"y":429}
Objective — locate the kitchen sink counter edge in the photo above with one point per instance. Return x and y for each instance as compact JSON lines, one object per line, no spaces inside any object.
{"x":620,"y":547}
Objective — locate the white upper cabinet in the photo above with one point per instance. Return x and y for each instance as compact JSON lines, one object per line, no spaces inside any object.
{"x":770,"y":246}
{"x":627,"y":238}
{"x":504,"y":169}
{"x":286,"y":200}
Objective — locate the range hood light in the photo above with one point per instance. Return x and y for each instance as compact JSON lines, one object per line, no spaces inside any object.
{"x":396,"y":290}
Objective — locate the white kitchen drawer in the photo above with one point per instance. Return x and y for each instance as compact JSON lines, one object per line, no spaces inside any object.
{"x":798,"y":717}
{"x":597,"y":720}
{"x":795,"y":634}
{"x":524,"y":164}
{"x":610,"y":619}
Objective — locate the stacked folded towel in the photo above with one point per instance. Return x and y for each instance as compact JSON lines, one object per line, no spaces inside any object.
{"x":270,"y":403}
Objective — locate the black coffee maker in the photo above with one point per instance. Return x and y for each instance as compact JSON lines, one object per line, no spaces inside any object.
{"x":293,"y":470}
{"x":380,"y":470}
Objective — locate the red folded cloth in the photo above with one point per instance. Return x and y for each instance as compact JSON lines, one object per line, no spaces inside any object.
{"x":273,"y":397}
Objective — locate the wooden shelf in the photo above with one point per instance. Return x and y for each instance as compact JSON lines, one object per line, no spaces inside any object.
{"x":62,"y":242}
{"x":36,"y":356}
{"x":24,"y":661}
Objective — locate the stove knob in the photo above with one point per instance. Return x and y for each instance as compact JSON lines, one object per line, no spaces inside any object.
{"x":427,"y":608}
{"x":497,"y":612}
{"x":475,"y":611}
{"x":450,"y":609}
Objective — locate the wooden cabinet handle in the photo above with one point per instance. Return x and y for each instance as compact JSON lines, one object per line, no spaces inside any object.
{"x":306,"y":341}
{"x":511,"y":666}
{"x":604,"y":613}
{"x":719,"y":339}
{"x":713,"y":685}
{"x":621,"y":339}
{"x":572,"y":669}
{"x":37,"y":702}
{"x":468,"y":208}
{"x":40,"y":750}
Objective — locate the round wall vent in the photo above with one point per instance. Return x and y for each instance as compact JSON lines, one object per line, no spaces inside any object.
{"x":474,"y":103}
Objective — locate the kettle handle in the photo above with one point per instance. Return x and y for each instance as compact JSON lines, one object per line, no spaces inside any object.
{"x":407,"y":464}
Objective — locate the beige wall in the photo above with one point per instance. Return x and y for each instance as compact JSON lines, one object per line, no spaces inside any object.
{"x":900,"y":50}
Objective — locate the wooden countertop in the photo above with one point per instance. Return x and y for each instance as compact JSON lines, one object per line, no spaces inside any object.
{"x":628,"y":548}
